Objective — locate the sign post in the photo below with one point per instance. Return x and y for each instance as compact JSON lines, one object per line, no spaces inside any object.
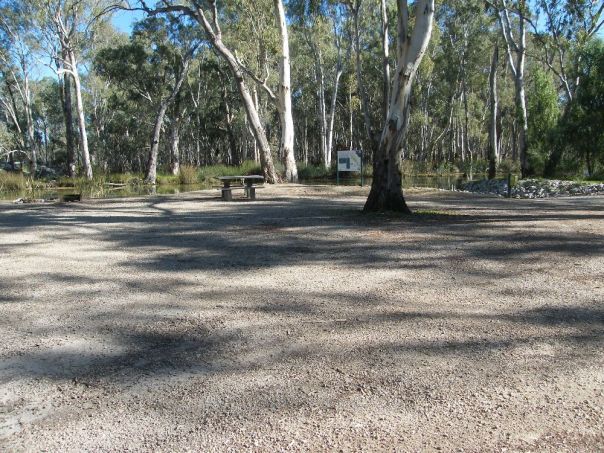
{"x":349,"y":161}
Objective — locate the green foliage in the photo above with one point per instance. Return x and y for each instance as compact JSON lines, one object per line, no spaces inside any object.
{"x":509,"y":166}
{"x":416,"y":167}
{"x":82,"y":184}
{"x":543,"y":115}
{"x":249,"y":167}
{"x":167,"y":179}
{"x":584,"y":129}
{"x":130,"y":75}
{"x":473,"y":167}
{"x":188,"y":174}
{"x":311,"y":171}
{"x":446,"y":168}
{"x":125,"y":178}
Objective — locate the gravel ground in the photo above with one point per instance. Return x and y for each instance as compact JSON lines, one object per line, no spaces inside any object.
{"x":297,"y":323}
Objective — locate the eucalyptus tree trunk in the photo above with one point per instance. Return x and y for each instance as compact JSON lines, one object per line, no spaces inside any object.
{"x":332,"y":115}
{"x":229,"y":117}
{"x":80,"y":112}
{"x":387,"y":187}
{"x":215,"y":35}
{"x":386,"y":61}
{"x":494,"y":107}
{"x":31,"y":138}
{"x":321,"y":102}
{"x":517,"y":66}
{"x":68,"y":118}
{"x":174,"y":147}
{"x":151,"y":174}
{"x":359,"y":73}
{"x":175,"y":136}
{"x":334,"y":97}
{"x":10,"y":109}
{"x":285,"y":99}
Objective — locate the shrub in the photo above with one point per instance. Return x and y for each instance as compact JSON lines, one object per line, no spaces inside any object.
{"x":188,"y":174}
{"x":446,"y":168}
{"x":310,"y":171}
{"x":416,"y":167}
{"x":476,"y":166}
{"x":509,"y":166}
{"x":125,"y":178}
{"x":83,"y":185}
{"x":249,"y":167}
{"x":167,"y":179}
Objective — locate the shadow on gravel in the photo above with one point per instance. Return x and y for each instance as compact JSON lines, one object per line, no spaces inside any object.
{"x":230,"y":239}
{"x":145,"y":344}
{"x":237,"y":237}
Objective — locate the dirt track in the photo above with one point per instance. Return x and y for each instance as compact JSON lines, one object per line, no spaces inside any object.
{"x":298,"y":323}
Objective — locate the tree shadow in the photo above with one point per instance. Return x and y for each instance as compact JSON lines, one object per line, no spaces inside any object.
{"x":227,"y":241}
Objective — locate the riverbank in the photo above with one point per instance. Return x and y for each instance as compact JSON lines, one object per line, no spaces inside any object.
{"x":298,"y":323}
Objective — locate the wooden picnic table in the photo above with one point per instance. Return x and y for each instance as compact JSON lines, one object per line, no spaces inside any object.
{"x":248,"y":184}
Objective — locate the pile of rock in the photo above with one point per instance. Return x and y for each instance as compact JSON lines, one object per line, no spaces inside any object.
{"x":492,"y":186}
{"x":533,"y":188}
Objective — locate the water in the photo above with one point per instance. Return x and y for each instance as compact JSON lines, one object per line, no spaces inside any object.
{"x":107,"y":192}
{"x":446,"y":182}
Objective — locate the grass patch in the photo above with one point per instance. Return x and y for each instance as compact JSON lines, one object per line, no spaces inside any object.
{"x":315,"y":171}
{"x":433,"y":212}
{"x":84,"y":185}
{"x":167,"y":180}
{"x":188,"y":174}
{"x":125,"y":178}
{"x":12,"y":182}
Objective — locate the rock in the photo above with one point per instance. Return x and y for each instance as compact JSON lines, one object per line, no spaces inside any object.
{"x":533,"y":188}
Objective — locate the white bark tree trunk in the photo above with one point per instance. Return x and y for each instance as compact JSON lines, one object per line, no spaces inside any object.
{"x":68,"y":118}
{"x":332,"y":116}
{"x":215,"y":35}
{"x":517,"y":67}
{"x":285,"y":99}
{"x":359,"y":73}
{"x":386,"y":60}
{"x":81,"y":116}
{"x":174,"y":147}
{"x":151,"y":174}
{"x":31,"y":137}
{"x":493,"y":109}
{"x":387,"y":187}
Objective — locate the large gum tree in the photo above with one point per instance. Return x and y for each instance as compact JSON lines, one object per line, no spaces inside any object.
{"x":206,"y":13}
{"x":387,"y":187}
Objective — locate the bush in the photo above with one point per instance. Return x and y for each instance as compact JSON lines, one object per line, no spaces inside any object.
{"x":167,"y":179}
{"x":83,"y":185}
{"x":249,"y":167}
{"x":311,"y":171}
{"x":446,"y":168}
{"x":125,"y":178}
{"x":508,"y":166}
{"x":416,"y":167}
{"x":188,"y":174}
{"x":12,"y":182}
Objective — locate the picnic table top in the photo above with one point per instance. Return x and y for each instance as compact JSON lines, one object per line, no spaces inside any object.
{"x":228,"y":178}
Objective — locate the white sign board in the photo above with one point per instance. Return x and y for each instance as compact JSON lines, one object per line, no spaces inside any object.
{"x":349,"y":160}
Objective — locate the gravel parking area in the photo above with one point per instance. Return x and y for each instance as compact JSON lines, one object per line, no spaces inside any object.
{"x":298,"y":323}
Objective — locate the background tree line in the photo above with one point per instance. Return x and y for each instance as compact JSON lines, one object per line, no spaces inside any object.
{"x":505,"y":85}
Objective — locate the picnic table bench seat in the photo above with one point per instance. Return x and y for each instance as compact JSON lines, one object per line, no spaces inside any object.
{"x":249,"y":184}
